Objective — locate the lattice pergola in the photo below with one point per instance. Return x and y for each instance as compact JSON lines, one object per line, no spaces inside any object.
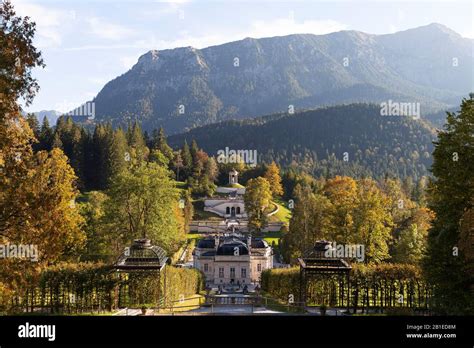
{"x":142,"y":256}
{"x":315,"y":263}
{"x":143,"y":262}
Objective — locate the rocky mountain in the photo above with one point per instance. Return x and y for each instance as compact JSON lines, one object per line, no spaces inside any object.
{"x":350,"y":140}
{"x":186,"y":87}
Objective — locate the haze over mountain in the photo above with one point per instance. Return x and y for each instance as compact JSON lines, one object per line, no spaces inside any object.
{"x":317,"y":140}
{"x":51,"y":115}
{"x":185,"y":87}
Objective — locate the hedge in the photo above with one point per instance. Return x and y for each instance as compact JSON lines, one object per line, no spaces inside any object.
{"x":89,"y":287}
{"x":382,"y":286}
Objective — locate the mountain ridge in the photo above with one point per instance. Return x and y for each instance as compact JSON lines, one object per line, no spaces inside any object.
{"x":316,"y":140}
{"x":186,"y":87}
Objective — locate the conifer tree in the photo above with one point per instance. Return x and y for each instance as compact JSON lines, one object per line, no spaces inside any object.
{"x":451,"y":195}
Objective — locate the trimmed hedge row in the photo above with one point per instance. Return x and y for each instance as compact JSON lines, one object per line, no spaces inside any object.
{"x":380,"y":286}
{"x":88,"y":287}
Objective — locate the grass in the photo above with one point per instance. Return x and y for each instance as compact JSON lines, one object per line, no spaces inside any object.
{"x":278,"y":306}
{"x":195,"y":236}
{"x":272,"y":237}
{"x":235,"y":186}
{"x":200,"y":214}
{"x":181,"y":185}
{"x":283,"y":214}
{"x":186,"y":305}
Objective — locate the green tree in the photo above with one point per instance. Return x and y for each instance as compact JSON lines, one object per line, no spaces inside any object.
{"x":118,"y":157}
{"x":450,"y":196}
{"x":311,"y":221}
{"x":187,"y":160}
{"x":159,"y":143}
{"x":99,"y":242}
{"x":136,"y":142}
{"x":411,"y":239}
{"x":46,"y":136}
{"x":143,"y":203}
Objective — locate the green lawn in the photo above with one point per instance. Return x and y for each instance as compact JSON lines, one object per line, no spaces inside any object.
{"x":181,"y":185}
{"x":235,"y":186}
{"x":187,"y":304}
{"x":279,"y":306}
{"x":195,"y":236}
{"x":200,"y":214}
{"x":272,"y":237}
{"x":283,"y":214}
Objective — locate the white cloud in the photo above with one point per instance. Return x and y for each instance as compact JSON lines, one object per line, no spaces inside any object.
{"x":286,"y":26}
{"x":49,"y":22}
{"x":392,"y":29}
{"x":128,"y":61}
{"x":257,"y":29}
{"x":99,"y":80}
{"x":106,"y":30}
{"x":468,"y":33}
{"x":165,"y":8}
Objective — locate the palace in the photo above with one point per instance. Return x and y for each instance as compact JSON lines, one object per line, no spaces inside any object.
{"x":232,"y":259}
{"x":227,"y":256}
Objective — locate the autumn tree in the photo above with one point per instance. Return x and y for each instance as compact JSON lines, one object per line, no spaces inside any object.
{"x":311,"y":221}
{"x":37,"y":191}
{"x":372,"y":221}
{"x":342,"y":193}
{"x":257,"y":198}
{"x":272,"y":175}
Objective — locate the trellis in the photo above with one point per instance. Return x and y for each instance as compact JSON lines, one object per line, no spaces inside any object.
{"x":134,"y":280}
{"x":314,"y":265}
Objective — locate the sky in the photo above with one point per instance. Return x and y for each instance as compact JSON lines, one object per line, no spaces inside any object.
{"x":86,"y":43}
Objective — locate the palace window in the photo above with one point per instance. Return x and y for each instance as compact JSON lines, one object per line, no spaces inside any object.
{"x":259,"y":267}
{"x":232,"y":272}
{"x":221,"y":272}
{"x":243,"y":273}
{"x":206,"y":267}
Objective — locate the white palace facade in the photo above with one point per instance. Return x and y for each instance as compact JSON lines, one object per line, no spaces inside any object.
{"x":232,"y":259}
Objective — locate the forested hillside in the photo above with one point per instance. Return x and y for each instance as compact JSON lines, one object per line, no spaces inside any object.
{"x":352,"y":140}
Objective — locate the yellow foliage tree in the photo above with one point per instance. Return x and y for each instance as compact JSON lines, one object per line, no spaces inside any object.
{"x":37,"y":191}
{"x":257,"y":198}
{"x":273,"y":177}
